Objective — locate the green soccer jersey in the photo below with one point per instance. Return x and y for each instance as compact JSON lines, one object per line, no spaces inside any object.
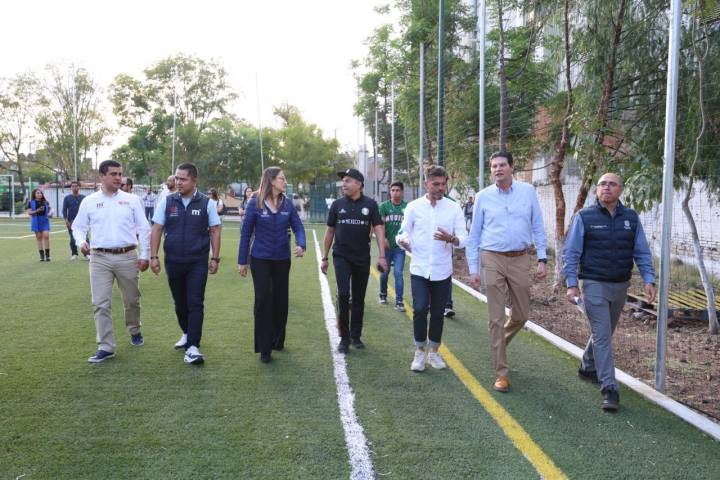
{"x":392,"y":215}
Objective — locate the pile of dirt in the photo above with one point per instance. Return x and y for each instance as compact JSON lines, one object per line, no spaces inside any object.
{"x":693,"y":356}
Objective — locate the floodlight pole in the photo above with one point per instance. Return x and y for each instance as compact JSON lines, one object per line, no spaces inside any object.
{"x":257,"y":95}
{"x":421,"y":155}
{"x":392,"y":132}
{"x":441,"y":86}
{"x":481,"y":92}
{"x":667,"y":194}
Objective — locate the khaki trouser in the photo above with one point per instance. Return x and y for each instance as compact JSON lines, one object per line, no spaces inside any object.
{"x":502,"y":276}
{"x":104,"y":269}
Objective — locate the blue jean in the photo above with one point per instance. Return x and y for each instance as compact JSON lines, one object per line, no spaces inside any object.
{"x":429,"y":296}
{"x":394,"y":257}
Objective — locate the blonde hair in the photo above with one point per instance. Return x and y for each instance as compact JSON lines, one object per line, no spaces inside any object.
{"x":265,"y":190}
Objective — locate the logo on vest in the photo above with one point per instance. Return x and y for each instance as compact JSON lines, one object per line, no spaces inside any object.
{"x":342,"y":210}
{"x":627,"y":224}
{"x":195,"y":212}
{"x":598,"y":227}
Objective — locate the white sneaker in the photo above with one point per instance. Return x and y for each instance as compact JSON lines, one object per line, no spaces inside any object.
{"x":418,"y":363}
{"x":182,"y":342}
{"x":193,"y":355}
{"x":436,"y":361}
{"x":73,"y":257}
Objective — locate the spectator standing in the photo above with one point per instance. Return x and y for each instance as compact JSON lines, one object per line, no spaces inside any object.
{"x":40,"y":211}
{"x":268,"y":216}
{"x":149,"y":201}
{"x":506,"y":221}
{"x":71,"y":205}
{"x":117,"y":222}
{"x":468,"y":211}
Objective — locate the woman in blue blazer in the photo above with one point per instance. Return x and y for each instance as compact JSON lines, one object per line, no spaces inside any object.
{"x":40,"y":211}
{"x":268,"y":216}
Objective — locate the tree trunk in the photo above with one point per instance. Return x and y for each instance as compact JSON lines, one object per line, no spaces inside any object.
{"x":558,"y":160}
{"x":602,"y":111}
{"x":503,"y":81}
{"x":713,"y":326}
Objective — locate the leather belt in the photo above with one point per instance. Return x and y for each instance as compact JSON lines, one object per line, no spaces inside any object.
{"x":516,"y":253}
{"x":116,"y":250}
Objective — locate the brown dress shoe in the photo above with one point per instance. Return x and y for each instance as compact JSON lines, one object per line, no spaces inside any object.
{"x":502,"y":384}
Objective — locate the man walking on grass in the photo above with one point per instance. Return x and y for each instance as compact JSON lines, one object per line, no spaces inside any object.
{"x":350,"y":222}
{"x":71,"y":205}
{"x":392,"y":213}
{"x":506,"y":221}
{"x":191,"y":225}
{"x":117,"y":222}
{"x":602,"y":242}
{"x":432,"y":227}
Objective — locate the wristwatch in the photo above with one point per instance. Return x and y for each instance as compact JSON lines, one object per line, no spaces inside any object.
{"x":324,"y":259}
{"x":216,"y":259}
{"x":542,"y":260}
{"x":154,"y":258}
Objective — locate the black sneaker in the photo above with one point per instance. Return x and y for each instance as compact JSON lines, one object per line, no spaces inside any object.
{"x":611,"y":400}
{"x":137,"y":340}
{"x":589,"y":375}
{"x":382,"y":299}
{"x":449,"y":312}
{"x":357,"y":343}
{"x":101,"y":356}
{"x":265,"y":357}
{"x":343,"y":347}
{"x":400,"y":307}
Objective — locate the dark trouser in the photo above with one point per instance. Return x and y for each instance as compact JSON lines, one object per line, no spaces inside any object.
{"x":350,"y":275}
{"x":270,"y":279}
{"x":73,"y":246}
{"x":187,"y":284}
{"x":429,"y":296}
{"x":396,"y":261}
{"x":149,"y":213}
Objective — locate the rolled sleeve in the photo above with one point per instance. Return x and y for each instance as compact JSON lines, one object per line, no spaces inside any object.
{"x":213,"y":217}
{"x":538,"y":227}
{"x":159,"y":214}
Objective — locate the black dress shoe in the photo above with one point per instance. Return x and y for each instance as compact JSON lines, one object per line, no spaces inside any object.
{"x":265,"y":357}
{"x":343,"y":347}
{"x":611,"y":400}
{"x":588,"y":375}
{"x":357,"y":343}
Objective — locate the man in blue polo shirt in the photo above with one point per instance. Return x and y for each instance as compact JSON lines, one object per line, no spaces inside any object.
{"x":602,"y":242}
{"x":191,"y":225}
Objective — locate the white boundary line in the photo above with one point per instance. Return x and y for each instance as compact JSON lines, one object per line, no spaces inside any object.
{"x":361,"y":467}
{"x":26,"y":236}
{"x":663,"y":401}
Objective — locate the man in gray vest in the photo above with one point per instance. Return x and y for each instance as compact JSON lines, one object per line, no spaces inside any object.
{"x":602,"y":243}
{"x":192,"y":226}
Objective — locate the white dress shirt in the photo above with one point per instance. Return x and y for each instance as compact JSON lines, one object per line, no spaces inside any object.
{"x":505,"y":221}
{"x":431,"y":259}
{"x":115,"y":221}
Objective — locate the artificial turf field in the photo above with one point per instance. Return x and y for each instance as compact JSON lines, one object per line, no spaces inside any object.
{"x":145,"y":414}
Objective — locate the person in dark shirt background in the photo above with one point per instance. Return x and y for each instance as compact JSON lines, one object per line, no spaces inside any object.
{"x":71,"y":204}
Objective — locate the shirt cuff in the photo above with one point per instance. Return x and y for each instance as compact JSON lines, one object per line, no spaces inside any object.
{"x":649,"y":278}
{"x":572,"y":282}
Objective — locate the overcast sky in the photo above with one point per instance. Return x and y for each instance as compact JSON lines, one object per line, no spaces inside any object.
{"x":300,"y":50}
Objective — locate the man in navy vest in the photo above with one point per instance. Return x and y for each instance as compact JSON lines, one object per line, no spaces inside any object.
{"x":192,"y":226}
{"x":601,"y":245}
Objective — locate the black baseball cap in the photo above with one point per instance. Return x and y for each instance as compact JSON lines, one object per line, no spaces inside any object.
{"x":352,"y":173}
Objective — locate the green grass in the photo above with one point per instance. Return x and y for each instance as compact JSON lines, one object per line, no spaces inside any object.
{"x":145,"y":414}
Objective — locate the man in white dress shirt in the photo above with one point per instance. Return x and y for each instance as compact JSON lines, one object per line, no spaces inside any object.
{"x":506,"y":221}
{"x":117,"y":221}
{"x":432,"y":227}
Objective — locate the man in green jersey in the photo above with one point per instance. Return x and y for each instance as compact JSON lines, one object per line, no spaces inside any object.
{"x":392,"y":212}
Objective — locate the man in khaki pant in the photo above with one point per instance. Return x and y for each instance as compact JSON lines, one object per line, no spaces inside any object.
{"x":506,"y":222}
{"x":117,"y":221}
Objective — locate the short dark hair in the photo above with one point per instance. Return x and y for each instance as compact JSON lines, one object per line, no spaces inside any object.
{"x":190,"y":168}
{"x":505,"y":155}
{"x":398,"y":184}
{"x":105,"y":165}
{"x":74,"y":182}
{"x":436,"y":171}
{"x":129,"y":181}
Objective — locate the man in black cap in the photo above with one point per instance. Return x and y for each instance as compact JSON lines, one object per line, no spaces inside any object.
{"x":350,"y":221}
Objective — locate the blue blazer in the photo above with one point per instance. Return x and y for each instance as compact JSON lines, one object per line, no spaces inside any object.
{"x":269,"y":231}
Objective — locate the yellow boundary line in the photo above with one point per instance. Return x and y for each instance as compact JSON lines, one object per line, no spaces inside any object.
{"x":512,"y":429}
